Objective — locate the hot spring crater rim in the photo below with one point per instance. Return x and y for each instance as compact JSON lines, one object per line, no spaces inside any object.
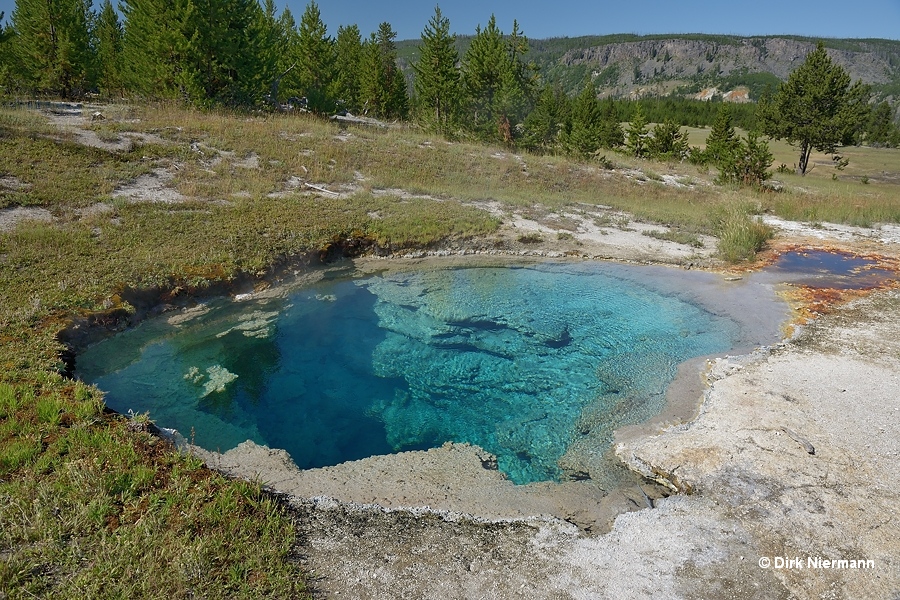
{"x":537,"y":363}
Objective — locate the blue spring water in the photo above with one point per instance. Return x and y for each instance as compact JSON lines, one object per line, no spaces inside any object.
{"x":505,"y":358}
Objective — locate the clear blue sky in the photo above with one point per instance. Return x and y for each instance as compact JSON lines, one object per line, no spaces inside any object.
{"x":822,"y":18}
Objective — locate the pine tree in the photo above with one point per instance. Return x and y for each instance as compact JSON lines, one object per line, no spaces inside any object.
{"x":348,"y":62}
{"x":816,"y":108}
{"x":437,"y":82}
{"x":748,"y":164}
{"x":157,"y":40}
{"x":722,"y":141}
{"x":396,"y":99}
{"x":880,"y":128}
{"x":6,"y":59}
{"x":668,"y":142}
{"x":288,"y":83}
{"x":205,"y":51}
{"x":370,"y":77}
{"x":224,"y":53}
{"x":315,"y":60}
{"x":543,"y":125}
{"x":52,"y":45}
{"x":514,"y":97}
{"x":108,"y":36}
{"x":582,"y":136}
{"x":482,"y":72}
{"x":611,"y":134}
{"x":636,"y":135}
{"x":275,"y":42}
{"x":382,"y":84}
{"x":496,"y":82}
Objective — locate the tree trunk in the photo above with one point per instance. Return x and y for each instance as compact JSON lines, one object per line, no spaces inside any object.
{"x":805,"y":150}
{"x":276,"y":83}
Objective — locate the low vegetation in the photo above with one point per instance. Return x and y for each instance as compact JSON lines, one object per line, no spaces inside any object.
{"x":741,"y":234}
{"x":94,"y":506}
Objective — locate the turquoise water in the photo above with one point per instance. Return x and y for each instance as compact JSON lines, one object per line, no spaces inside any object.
{"x":505,"y":358}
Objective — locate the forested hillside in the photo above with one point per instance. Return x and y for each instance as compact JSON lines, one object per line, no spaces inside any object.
{"x":494,"y":85}
{"x":685,"y":64}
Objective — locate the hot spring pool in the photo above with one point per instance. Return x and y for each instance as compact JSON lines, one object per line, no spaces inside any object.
{"x":506,"y":358}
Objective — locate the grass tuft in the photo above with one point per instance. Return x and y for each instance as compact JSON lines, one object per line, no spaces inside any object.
{"x":741,"y":234}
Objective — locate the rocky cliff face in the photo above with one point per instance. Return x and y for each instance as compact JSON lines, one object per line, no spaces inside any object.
{"x":656,"y":60}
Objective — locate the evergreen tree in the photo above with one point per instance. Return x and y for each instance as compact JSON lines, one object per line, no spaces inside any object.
{"x":668,"y":142}
{"x":636,"y":135}
{"x":348,"y":62}
{"x":108,"y":36}
{"x":396,"y":103}
{"x":748,"y":164}
{"x":205,"y":51}
{"x":157,"y":43}
{"x":52,"y":45}
{"x":543,"y":125}
{"x":437,"y":82}
{"x":582,"y":135}
{"x":513,"y":99}
{"x":722,"y":141}
{"x":496,"y":81}
{"x":382,"y":84}
{"x":6,"y":59}
{"x":816,"y":108}
{"x":880,"y":129}
{"x":289,"y":40}
{"x":271,"y":55}
{"x":222,"y":59}
{"x":610,"y":131}
{"x":315,"y":60}
{"x":276,"y":47}
{"x":482,"y":70}
{"x":370,"y":77}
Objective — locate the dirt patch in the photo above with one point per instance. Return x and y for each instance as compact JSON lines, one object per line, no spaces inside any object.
{"x":13,"y":184}
{"x":152,"y":187}
{"x":11,"y":217}
{"x":834,"y":232}
{"x":458,"y":478}
{"x":594,"y":232}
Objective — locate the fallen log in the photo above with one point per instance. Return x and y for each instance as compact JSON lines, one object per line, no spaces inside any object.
{"x":320,"y":189}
